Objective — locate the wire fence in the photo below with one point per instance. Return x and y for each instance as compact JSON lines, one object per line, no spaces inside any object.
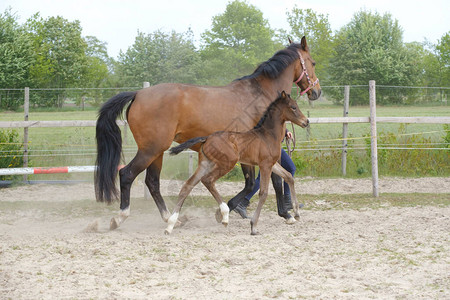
{"x":76,"y":145}
{"x":13,"y":98}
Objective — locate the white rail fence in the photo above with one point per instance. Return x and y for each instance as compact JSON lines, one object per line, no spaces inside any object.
{"x":345,"y":120}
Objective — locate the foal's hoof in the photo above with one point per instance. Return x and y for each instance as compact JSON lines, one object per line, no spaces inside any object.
{"x":166,"y":232}
{"x":254,"y":232}
{"x":219,"y":216}
{"x":182,"y":221}
{"x":290,"y":221}
{"x":113,"y":224}
{"x":297,"y":217}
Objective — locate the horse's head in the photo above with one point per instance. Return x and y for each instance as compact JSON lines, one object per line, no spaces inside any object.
{"x":291,"y":111}
{"x":305,"y":76}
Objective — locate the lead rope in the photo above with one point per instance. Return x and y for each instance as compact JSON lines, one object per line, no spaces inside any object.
{"x":290,"y":144}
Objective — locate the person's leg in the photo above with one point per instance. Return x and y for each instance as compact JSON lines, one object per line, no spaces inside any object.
{"x":288,"y":165}
{"x":241,"y":208}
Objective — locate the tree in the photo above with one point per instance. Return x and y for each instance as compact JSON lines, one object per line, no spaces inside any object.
{"x":60,"y":51}
{"x":238,"y":41}
{"x":370,"y":47}
{"x":15,"y":52}
{"x":159,"y":57}
{"x":443,"y":55}
{"x":316,"y":28}
{"x":95,"y":70}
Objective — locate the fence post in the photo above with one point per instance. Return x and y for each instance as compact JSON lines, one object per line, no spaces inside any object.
{"x":345,"y":131}
{"x":26,"y":110}
{"x":191,"y":164}
{"x":373,"y":137}
{"x":308,"y":128}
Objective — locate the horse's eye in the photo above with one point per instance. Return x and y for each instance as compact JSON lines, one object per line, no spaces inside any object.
{"x":293,"y":107}
{"x":314,"y":63}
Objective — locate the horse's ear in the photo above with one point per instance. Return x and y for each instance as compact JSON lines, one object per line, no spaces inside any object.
{"x":283,"y":94}
{"x":304,"y":44}
{"x":289,"y":39}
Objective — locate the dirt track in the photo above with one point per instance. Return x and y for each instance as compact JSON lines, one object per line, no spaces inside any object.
{"x":48,"y":251}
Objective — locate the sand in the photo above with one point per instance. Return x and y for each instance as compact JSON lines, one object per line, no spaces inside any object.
{"x":55,"y":244}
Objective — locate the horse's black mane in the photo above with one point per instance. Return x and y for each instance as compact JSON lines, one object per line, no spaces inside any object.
{"x":268,"y":112}
{"x":276,"y":64}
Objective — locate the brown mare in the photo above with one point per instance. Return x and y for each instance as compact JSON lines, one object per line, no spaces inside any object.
{"x":260,"y":146}
{"x":164,"y":113}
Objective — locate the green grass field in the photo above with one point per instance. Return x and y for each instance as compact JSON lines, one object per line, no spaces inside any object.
{"x":76,"y":145}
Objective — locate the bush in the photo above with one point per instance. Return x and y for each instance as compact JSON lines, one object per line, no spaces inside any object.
{"x":11,"y":154}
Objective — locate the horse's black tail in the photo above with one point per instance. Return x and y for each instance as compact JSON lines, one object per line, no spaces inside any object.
{"x":187,"y":144}
{"x":109,"y":146}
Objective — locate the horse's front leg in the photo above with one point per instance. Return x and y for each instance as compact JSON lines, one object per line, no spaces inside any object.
{"x":263,"y":192}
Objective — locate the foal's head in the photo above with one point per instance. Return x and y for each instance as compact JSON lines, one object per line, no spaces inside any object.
{"x":290,"y":110}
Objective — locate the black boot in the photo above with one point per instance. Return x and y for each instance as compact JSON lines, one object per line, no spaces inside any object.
{"x":241,"y":208}
{"x":287,"y":202}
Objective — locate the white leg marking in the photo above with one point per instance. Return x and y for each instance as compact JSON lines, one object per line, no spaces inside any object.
{"x":117,"y":221}
{"x":290,"y":221}
{"x":171,"y":223}
{"x":225,"y":212}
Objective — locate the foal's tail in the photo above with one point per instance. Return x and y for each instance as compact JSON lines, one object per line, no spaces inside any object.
{"x":187,"y":144}
{"x":109,"y":146}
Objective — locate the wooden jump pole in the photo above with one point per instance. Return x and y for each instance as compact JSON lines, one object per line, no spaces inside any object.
{"x":373,"y":137}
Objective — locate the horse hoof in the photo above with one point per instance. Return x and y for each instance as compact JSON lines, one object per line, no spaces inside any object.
{"x":225,"y":224}
{"x":113,"y":224}
{"x":297,"y":218}
{"x":219,"y":216}
{"x":290,"y":221}
{"x":254,"y":233}
{"x":181,"y":221}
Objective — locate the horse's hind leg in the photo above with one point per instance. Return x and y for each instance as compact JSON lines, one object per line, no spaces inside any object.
{"x":152,"y":181}
{"x":127,"y":175}
{"x":222,"y":214}
{"x":204,"y":167}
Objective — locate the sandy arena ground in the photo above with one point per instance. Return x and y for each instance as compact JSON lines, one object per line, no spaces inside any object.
{"x":55,"y":244}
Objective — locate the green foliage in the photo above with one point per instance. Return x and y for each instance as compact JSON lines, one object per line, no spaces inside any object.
{"x":60,"y":49}
{"x":399,"y":154}
{"x":238,"y":41}
{"x":316,"y":28}
{"x":15,"y":52}
{"x":52,"y":53}
{"x":160,"y":57}
{"x":370,"y":47}
{"x":11,"y":155}
{"x":446,"y":137}
{"x":15,"y":58}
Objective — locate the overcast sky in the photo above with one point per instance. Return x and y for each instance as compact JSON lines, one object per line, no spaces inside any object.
{"x":117,"y":22}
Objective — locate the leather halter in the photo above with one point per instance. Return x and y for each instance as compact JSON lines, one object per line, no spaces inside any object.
{"x":305,"y":72}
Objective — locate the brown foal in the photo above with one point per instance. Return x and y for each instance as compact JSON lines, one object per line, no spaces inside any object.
{"x":259,"y":146}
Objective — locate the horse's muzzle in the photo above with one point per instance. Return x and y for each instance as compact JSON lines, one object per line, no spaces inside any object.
{"x":315,"y":94}
{"x":304,"y":124}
